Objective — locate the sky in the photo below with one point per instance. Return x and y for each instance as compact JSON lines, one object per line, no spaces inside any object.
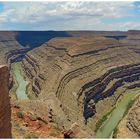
{"x":70,"y":15}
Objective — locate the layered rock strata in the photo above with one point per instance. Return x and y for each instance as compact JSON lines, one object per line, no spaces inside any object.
{"x":10,"y":50}
{"x":80,"y":72}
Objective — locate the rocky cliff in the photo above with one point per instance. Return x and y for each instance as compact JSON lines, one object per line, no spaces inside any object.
{"x":5,"y":113}
{"x":10,"y":49}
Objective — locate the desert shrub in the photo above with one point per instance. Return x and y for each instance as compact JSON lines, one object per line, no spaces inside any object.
{"x":20,"y":114}
{"x":16,"y":125}
{"x":30,"y":136}
{"x":115,"y":132}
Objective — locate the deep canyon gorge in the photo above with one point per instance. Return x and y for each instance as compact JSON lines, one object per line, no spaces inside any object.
{"x":70,"y":84}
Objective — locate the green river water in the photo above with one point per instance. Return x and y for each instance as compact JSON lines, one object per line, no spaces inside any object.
{"x":21,"y":83}
{"x":116,"y":115}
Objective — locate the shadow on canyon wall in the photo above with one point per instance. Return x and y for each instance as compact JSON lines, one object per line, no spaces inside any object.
{"x":117,"y":37}
{"x":34,"y":39}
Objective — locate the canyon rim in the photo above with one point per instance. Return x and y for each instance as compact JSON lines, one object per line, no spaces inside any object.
{"x":68,"y":86}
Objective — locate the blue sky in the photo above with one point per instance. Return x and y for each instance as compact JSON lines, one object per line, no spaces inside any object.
{"x":69,"y":15}
{"x":1,"y":6}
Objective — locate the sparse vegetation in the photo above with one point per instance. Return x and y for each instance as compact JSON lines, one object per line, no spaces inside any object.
{"x":115,"y":132}
{"x":30,"y":136}
{"x":20,"y":114}
{"x":100,"y":122}
{"x":16,"y":125}
{"x":27,"y":89}
{"x":129,"y":106}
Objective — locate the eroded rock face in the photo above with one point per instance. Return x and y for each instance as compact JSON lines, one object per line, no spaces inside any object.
{"x":80,"y":73}
{"x":133,"y":123}
{"x":76,"y":132}
{"x":10,"y":49}
{"x":5,"y":113}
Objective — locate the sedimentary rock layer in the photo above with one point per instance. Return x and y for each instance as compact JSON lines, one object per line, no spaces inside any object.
{"x":81,"y":71}
{"x":10,"y":50}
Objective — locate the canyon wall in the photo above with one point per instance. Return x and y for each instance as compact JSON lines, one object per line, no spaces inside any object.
{"x":10,"y":49}
{"x":5,"y":112}
{"x":80,"y":73}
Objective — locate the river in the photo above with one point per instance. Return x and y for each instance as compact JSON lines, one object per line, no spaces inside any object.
{"x":116,"y":115}
{"x":20,"y":82}
{"x":108,"y":125}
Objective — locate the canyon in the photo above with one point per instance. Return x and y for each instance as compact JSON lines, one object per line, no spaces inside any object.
{"x":73,"y":81}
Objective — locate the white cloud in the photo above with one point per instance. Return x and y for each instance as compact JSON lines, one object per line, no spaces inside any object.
{"x":37,"y":12}
{"x":126,"y":25}
{"x":65,"y":15}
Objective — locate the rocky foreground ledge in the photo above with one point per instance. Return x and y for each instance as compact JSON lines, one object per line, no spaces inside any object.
{"x":5,"y":113}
